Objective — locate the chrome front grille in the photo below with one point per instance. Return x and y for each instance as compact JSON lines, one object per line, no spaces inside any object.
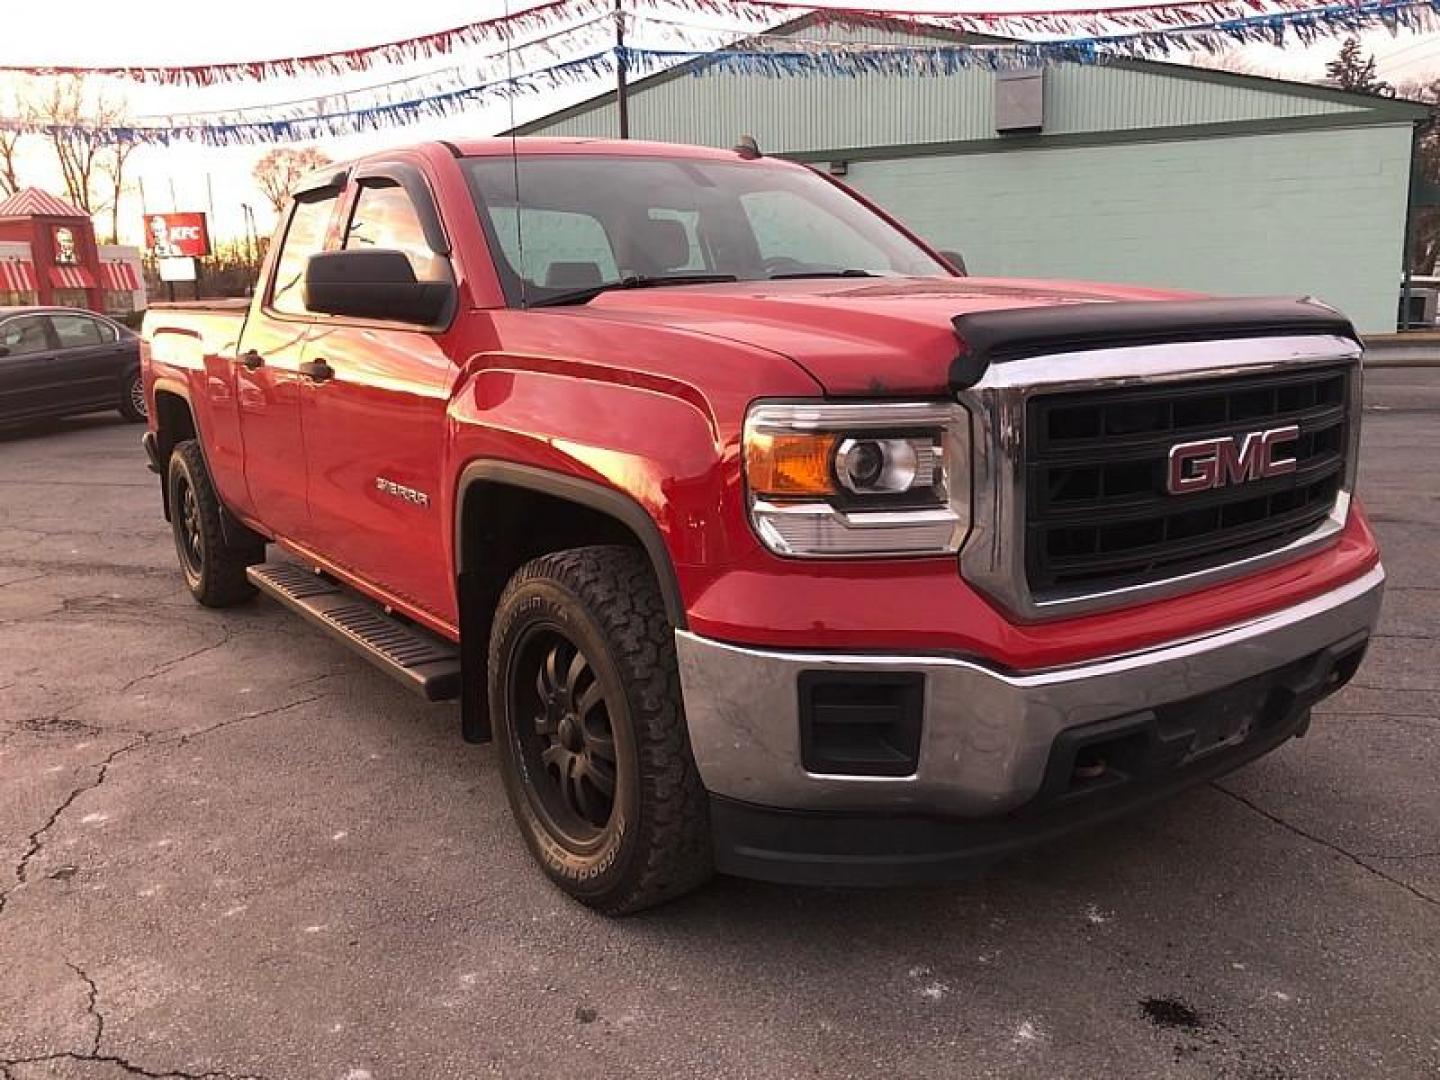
{"x":1098,"y":513}
{"x":1072,"y":510}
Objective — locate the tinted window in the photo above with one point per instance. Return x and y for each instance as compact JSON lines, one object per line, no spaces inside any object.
{"x":384,"y":217}
{"x":77,"y":331}
{"x":26,"y":335}
{"x":304,"y":236}
{"x":566,"y":221}
{"x":560,"y":249}
{"x":793,"y":234}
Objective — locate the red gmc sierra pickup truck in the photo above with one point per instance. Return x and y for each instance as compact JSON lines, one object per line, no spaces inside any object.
{"x":761,"y":538}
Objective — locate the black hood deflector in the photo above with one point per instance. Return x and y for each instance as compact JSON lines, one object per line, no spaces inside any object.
{"x":995,"y":337}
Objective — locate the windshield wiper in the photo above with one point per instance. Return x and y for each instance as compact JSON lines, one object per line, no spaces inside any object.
{"x":634,"y":281}
{"x":822,"y":274}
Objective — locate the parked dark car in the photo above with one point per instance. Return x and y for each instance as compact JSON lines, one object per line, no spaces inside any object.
{"x":60,"y":361}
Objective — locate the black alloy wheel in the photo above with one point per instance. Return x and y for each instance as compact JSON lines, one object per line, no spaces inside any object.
{"x":188,"y":536}
{"x":562,"y":725}
{"x":590,"y":732}
{"x":214,"y":567}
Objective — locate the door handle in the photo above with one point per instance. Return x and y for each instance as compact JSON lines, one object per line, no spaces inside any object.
{"x":317,"y":370}
{"x":252,"y":360}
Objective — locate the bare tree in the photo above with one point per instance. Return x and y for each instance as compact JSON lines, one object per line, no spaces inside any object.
{"x":113,"y":166}
{"x":78,"y":125}
{"x":83,"y":123}
{"x":278,"y":171}
{"x":11,"y":108}
{"x":9,"y":149}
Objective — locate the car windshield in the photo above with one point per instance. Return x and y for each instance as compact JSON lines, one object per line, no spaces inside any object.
{"x":583,"y":223}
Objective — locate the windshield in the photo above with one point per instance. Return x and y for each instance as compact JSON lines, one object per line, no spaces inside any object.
{"x":584,"y":222}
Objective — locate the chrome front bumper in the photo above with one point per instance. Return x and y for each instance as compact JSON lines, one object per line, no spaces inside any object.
{"x":987,"y":735}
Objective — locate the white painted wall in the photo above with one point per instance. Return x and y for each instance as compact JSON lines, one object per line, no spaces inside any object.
{"x":1318,"y":212}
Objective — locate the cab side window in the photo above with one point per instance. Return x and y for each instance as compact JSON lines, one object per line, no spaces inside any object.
{"x":24,"y":335}
{"x":76,"y":331}
{"x":384,"y":217}
{"x":304,"y":236}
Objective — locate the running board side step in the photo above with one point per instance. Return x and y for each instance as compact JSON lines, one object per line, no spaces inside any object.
{"x":425,"y":664}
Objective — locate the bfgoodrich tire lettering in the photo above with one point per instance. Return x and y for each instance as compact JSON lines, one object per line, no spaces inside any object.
{"x":592,"y":739}
{"x":214,"y":571}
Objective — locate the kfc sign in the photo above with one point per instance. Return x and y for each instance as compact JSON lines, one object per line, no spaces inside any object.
{"x":173,"y":236}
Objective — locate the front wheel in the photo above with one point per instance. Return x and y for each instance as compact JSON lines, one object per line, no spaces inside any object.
{"x":592,"y":742}
{"x":132,"y":399}
{"x":214,"y":570}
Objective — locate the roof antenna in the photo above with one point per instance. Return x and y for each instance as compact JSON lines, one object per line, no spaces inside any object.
{"x":748,"y":148}
{"x":515,"y":158}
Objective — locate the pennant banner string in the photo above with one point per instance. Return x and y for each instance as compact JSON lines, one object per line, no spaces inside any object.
{"x":475,"y":69}
{"x":1076,"y":24}
{"x":768,"y":55}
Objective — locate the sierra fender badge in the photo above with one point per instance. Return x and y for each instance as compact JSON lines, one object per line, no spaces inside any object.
{"x":400,"y":491}
{"x":1213,"y":463}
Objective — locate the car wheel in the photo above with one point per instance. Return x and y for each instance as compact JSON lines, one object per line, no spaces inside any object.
{"x":591,"y":731}
{"x":214,"y":570}
{"x":132,"y":399}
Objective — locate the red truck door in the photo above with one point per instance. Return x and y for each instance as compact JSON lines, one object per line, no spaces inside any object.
{"x":375,"y":424}
{"x":268,"y":378}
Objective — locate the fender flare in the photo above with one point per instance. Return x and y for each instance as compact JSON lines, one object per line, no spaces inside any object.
{"x":588,"y":493}
{"x":232,"y":528}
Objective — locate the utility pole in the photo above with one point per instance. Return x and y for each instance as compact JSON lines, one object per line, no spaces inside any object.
{"x":622,"y":94}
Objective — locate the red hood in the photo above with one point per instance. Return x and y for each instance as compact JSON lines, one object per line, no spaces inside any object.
{"x":853,"y":335}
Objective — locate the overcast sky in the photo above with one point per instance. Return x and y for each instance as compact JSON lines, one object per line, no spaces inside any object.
{"x":168,"y":32}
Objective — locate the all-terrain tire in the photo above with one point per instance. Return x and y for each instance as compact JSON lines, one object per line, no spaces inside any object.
{"x":214,"y":570}
{"x":655,"y":843}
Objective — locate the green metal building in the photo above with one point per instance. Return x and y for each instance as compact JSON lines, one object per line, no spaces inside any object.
{"x":1131,"y":171}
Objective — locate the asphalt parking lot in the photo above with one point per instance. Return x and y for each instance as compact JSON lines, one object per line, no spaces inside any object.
{"x":228,"y":848}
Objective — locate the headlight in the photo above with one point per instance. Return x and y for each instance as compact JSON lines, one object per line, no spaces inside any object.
{"x":872,"y":479}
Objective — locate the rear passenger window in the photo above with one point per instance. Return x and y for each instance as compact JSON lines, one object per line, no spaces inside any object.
{"x":76,"y":331}
{"x":384,"y":217}
{"x":304,"y":236}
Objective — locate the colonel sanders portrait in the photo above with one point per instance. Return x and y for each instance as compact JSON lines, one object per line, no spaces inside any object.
{"x":160,"y":245}
{"x":65,"y":252}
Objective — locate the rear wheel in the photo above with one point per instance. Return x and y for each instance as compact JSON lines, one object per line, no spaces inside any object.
{"x":591,"y":730}
{"x":132,"y":399}
{"x":214,"y":570}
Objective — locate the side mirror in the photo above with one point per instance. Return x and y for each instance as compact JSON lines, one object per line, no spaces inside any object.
{"x":955,"y":259}
{"x":374,"y":283}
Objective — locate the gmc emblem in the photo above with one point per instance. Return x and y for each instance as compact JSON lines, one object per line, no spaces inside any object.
{"x":1213,"y":463}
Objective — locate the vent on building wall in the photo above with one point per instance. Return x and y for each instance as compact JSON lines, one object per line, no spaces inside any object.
{"x":1020,"y":101}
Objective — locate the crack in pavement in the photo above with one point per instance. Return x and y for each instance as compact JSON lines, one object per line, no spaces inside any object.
{"x":1358,"y":860}
{"x":36,"y":842}
{"x":87,"y":568}
{"x":92,"y":1006}
{"x":126,"y":1066}
{"x":185,"y":738}
{"x":94,"y":1056}
{"x":168,"y":665}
